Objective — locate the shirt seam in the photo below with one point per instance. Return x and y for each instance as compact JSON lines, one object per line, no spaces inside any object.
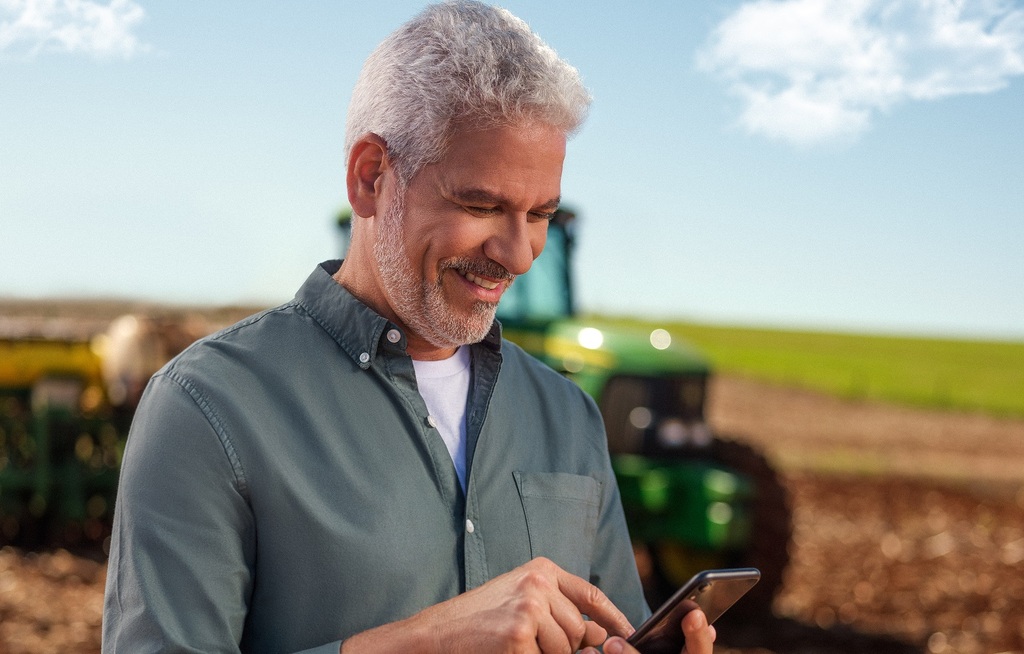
{"x":217,"y":424}
{"x":252,"y":320}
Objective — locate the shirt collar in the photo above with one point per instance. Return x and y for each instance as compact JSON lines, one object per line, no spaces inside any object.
{"x":357,"y":328}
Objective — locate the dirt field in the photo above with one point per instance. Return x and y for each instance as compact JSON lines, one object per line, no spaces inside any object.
{"x":909,"y":536}
{"x":908,"y":524}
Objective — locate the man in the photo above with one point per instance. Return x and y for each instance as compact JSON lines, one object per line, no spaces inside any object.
{"x":370,"y":467}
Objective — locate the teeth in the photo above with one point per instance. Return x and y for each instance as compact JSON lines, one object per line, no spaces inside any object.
{"x":480,"y":282}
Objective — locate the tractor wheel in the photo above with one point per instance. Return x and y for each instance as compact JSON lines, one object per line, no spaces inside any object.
{"x":772,"y":527}
{"x":670,"y":564}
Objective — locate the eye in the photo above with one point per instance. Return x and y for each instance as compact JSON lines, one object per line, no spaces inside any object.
{"x":542,"y":215}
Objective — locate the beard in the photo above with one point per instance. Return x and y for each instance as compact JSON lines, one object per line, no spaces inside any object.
{"x":420,"y":304}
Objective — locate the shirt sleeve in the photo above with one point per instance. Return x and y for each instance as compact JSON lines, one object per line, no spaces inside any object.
{"x":181,"y":561}
{"x":181,"y":566}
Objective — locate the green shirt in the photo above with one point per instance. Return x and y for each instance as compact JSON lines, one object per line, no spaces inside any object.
{"x":283,"y":488}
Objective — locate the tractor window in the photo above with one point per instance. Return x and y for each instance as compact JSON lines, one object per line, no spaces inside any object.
{"x":654,"y":415}
{"x":543,"y":293}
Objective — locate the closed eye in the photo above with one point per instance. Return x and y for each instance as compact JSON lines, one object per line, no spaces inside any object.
{"x":482,"y":202}
{"x":486,"y":211}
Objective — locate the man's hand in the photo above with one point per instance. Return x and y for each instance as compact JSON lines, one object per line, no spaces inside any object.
{"x":700,"y":637}
{"x":538,"y":607}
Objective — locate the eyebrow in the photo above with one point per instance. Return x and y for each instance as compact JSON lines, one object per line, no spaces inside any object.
{"x":482,"y":196}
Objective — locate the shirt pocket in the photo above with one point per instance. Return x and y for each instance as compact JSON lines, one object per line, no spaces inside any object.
{"x":561,"y":517}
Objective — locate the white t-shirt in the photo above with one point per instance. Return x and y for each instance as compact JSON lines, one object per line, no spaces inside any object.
{"x":444,"y":386}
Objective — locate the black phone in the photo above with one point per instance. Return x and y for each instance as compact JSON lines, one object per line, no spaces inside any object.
{"x":712,"y":591}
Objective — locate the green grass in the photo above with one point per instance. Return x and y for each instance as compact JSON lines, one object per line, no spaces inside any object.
{"x":982,"y":376}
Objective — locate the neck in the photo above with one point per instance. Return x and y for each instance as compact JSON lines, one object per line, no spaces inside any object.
{"x":356,"y":281}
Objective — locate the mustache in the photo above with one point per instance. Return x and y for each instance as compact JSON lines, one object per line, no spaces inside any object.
{"x":481,"y":267}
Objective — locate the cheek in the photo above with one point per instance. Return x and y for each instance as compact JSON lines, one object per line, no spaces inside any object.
{"x":462,"y":238}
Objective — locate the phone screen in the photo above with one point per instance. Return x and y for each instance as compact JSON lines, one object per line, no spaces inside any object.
{"x":712,"y":591}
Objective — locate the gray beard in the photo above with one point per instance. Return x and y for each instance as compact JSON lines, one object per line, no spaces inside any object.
{"x":421,"y":305}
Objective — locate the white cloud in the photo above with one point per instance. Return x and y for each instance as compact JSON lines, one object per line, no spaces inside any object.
{"x":28,"y":27}
{"x":813,"y":70}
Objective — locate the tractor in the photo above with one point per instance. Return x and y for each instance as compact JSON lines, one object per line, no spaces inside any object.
{"x":693,"y":499}
{"x":68,"y":390}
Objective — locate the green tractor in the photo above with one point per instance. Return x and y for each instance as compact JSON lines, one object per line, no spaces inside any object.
{"x":693,"y":499}
{"x":68,"y":390}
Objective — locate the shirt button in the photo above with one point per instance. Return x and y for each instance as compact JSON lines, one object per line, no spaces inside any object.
{"x":469,"y":526}
{"x":394,"y":335}
{"x":432,"y":421}
{"x":364,"y":357}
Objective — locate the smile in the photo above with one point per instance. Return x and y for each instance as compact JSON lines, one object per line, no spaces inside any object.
{"x":480,"y":281}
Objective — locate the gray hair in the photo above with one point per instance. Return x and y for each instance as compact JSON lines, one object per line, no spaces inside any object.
{"x":460,"y":64}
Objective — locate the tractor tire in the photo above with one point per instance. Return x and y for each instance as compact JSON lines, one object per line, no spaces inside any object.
{"x":772,"y":527}
{"x":666,"y":565}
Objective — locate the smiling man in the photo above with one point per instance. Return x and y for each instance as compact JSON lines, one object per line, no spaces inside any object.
{"x":370,"y":467}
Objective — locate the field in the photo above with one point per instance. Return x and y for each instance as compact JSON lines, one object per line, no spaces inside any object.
{"x":908,"y":523}
{"x":968,"y":375}
{"x":908,"y":517}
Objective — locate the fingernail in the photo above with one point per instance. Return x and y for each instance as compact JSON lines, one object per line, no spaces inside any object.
{"x":697,"y":622}
{"x":614,"y":646}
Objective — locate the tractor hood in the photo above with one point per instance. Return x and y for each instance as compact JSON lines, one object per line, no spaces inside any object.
{"x":574,"y":344}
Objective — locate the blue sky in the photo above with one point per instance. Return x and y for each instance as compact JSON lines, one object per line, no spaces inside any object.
{"x":801,"y":163}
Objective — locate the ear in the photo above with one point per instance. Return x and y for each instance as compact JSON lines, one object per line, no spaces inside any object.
{"x":367,"y":162}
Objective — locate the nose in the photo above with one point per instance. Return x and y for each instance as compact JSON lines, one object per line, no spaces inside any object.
{"x":516,"y":242}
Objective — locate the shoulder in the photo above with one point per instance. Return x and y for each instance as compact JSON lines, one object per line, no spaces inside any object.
{"x":245,"y":355}
{"x":255,"y":337}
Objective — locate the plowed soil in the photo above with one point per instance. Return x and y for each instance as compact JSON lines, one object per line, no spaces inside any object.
{"x":908,"y":536}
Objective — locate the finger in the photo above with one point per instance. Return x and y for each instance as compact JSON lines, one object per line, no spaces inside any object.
{"x":589,"y":600}
{"x":578,"y":631}
{"x":595,"y":635}
{"x":551,"y":637}
{"x":700,"y":636}
{"x":617,"y":645}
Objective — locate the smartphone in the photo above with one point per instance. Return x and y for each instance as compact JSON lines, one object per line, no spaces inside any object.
{"x":712,"y":591}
